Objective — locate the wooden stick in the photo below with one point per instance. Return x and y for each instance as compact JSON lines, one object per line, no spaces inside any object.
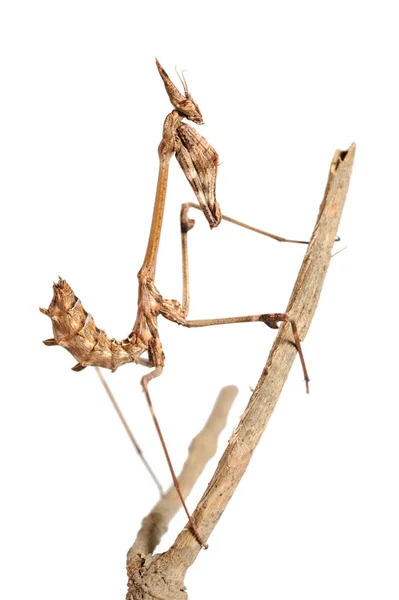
{"x":162,"y":576}
{"x":201,"y":450}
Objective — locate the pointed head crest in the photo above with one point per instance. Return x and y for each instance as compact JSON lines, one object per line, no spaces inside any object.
{"x":185,"y":105}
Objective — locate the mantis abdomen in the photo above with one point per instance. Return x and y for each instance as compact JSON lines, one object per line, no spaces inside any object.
{"x":74,"y":329}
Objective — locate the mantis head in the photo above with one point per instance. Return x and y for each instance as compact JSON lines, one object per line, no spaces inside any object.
{"x":185,"y":105}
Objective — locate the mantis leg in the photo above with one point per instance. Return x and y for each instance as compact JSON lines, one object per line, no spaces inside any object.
{"x":186,"y":224}
{"x":144,"y":382}
{"x":278,"y":238}
{"x":271,"y":320}
{"x":128,"y":430}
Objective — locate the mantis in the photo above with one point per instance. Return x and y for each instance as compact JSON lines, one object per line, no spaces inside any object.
{"x":75,"y":329}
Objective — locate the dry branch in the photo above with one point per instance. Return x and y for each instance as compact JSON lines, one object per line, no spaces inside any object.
{"x":201,"y":450}
{"x":162,"y":576}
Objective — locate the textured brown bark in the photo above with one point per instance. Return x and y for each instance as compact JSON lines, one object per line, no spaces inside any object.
{"x":162,"y":576}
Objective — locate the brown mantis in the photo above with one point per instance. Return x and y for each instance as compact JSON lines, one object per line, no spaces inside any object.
{"x":75,"y":330}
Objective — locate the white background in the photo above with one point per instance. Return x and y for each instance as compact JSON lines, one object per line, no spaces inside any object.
{"x":281,"y":86}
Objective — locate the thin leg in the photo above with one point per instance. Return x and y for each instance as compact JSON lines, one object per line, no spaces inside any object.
{"x":271,"y":319}
{"x":186,"y":224}
{"x":144,"y":382}
{"x":128,"y":430}
{"x":241,"y":224}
